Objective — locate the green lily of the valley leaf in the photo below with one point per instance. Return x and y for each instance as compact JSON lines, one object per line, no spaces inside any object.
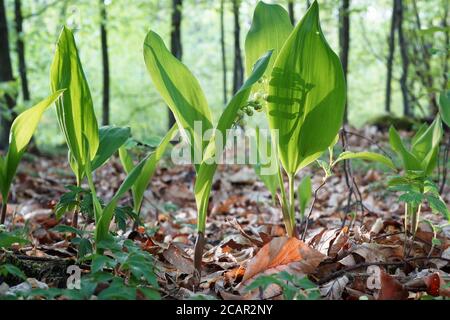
{"x":270,"y":28}
{"x":365,"y":155}
{"x":304,"y":194}
{"x":149,"y":168}
{"x":180,"y":90}
{"x":208,"y":166}
{"x":22,"y":130}
{"x":306,"y":94}
{"x":266,"y":162}
{"x":426,"y":147}
{"x":75,"y":111}
{"x":410,"y":161}
{"x":111,"y":139}
{"x":444,"y":107}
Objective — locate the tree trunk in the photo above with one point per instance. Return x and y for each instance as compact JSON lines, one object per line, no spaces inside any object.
{"x":222,"y":46}
{"x":175,"y":40}
{"x":291,"y":11}
{"x":446,"y":45}
{"x":20,"y":48}
{"x":238,"y":70}
{"x":405,"y":60}
{"x":390,"y":59}
{"x":105,"y":61}
{"x":344,"y":41}
{"x":427,"y":78}
{"x":6,"y":75}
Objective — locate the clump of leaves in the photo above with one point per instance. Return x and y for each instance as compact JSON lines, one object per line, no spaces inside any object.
{"x":126,"y":272}
{"x":293,"y":287}
{"x":22,"y":130}
{"x":304,"y":105}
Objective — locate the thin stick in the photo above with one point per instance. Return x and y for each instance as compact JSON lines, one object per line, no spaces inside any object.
{"x":311,"y":209}
{"x":4,"y":207}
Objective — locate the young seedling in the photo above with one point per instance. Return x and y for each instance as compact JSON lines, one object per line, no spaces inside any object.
{"x":415,"y":183}
{"x":303,"y":90}
{"x":148,"y":170}
{"x":76,"y":115}
{"x":21,"y":132}
{"x":184,"y":96}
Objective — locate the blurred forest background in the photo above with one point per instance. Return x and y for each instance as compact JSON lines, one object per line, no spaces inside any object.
{"x":395,"y":53}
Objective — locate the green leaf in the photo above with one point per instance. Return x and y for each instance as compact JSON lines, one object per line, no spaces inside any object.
{"x":426,"y":147}
{"x":22,"y":129}
{"x":12,"y":270}
{"x":104,"y":221}
{"x":304,"y":194}
{"x":438,"y":205}
{"x":84,"y":248}
{"x":262,"y":162}
{"x":410,"y":162}
{"x":75,"y":111}
{"x":67,"y":229}
{"x":270,"y":28}
{"x":208,"y":166}
{"x":444,"y":107}
{"x":111,"y":138}
{"x":149,"y":168}
{"x":6,"y":240}
{"x":180,"y":90}
{"x":370,"y":156}
{"x":306,"y":94}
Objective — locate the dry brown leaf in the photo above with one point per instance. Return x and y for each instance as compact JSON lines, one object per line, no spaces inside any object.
{"x":390,"y":288}
{"x":177,"y":258}
{"x":283,"y":253}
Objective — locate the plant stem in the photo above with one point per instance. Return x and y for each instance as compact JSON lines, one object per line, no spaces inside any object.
{"x":4,"y":207}
{"x":292,"y":203}
{"x":198,"y":254}
{"x":285,"y":209}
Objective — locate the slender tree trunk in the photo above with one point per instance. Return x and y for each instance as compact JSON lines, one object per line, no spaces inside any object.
{"x":6,"y":75}
{"x":344,"y":41}
{"x":20,"y":48}
{"x":238,"y":74}
{"x":405,"y":60}
{"x":291,"y":11}
{"x":105,"y":61}
{"x":222,"y":46}
{"x":427,"y":79}
{"x":175,"y":40}
{"x":446,"y":45}
{"x":390,"y":59}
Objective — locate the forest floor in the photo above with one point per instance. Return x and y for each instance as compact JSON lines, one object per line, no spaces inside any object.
{"x":350,"y":251}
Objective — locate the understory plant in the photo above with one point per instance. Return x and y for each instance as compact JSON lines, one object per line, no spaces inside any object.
{"x":184,"y":96}
{"x":22,"y":131}
{"x":89,"y":147}
{"x":302,"y":92}
{"x":414,"y":178}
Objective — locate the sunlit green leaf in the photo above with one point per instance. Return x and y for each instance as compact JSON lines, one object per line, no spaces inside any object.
{"x":307,"y":85}
{"x":366,"y":155}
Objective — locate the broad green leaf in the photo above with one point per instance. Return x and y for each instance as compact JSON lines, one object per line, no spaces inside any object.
{"x":270,"y":28}
{"x":265,"y":162}
{"x":149,"y":168}
{"x":22,"y":130}
{"x":111,"y":138}
{"x":6,"y":240}
{"x":304,"y":194}
{"x":429,"y":140}
{"x":306,"y":94}
{"x":12,"y":270}
{"x":207,"y":168}
{"x":370,"y":156}
{"x":409,"y":160}
{"x":75,"y":111}
{"x":180,"y":90}
{"x":444,"y":107}
{"x":107,"y":213}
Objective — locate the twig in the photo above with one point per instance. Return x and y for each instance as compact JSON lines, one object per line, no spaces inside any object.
{"x":311,"y":209}
{"x":341,"y":272}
